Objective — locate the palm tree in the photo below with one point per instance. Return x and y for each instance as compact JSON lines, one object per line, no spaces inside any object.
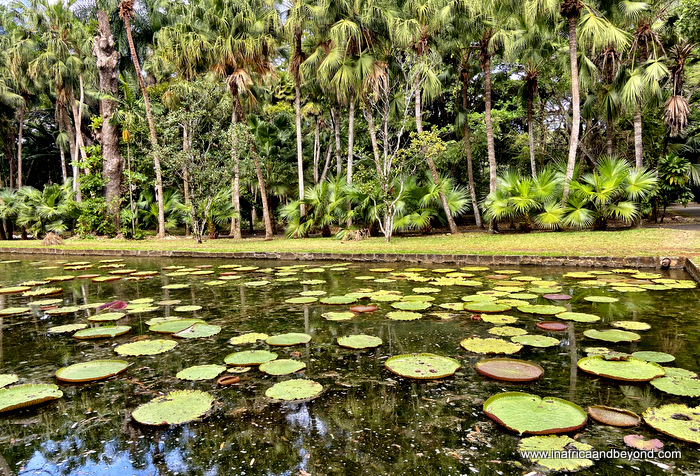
{"x":677,"y":108}
{"x":126,"y":13}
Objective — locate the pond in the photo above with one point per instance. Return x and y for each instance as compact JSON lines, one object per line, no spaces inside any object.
{"x":367,"y":420}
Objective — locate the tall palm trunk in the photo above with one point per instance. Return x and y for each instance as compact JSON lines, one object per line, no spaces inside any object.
{"x":335,"y":117}
{"x":317,"y":147}
{"x":300,"y":150}
{"x":490,"y":145}
{"x":531,"y":134}
{"x":151,"y":128}
{"x":68,"y":127}
{"x":186,"y":147}
{"x":575,"y":107}
{"x":638,"y":143}
{"x":20,"y":135}
{"x":609,"y":137}
{"x":351,"y":136}
{"x":236,"y":180}
{"x":468,"y":151}
{"x":269,"y":233}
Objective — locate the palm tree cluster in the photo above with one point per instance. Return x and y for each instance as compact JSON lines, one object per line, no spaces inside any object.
{"x":331,"y":116}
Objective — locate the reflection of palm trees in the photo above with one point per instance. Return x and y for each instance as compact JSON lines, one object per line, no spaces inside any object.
{"x":671,"y":341}
{"x":640,"y":398}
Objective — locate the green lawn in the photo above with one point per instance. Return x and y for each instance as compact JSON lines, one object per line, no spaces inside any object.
{"x":638,"y":242}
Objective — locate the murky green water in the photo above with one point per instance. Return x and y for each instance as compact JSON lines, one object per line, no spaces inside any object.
{"x":367,"y":421}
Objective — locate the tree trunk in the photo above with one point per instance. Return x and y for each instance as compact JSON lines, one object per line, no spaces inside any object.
{"x":236,"y":181}
{"x":335,"y":116}
{"x":64,"y":172}
{"x":112,"y":161}
{"x":263,"y":196}
{"x":638,"y":144}
{"x":317,"y":147}
{"x":609,"y":137}
{"x":531,"y":135}
{"x":10,"y":160}
{"x":491,"y":148}
{"x":151,"y":130}
{"x":327,"y":165}
{"x":185,"y":174}
{"x":68,"y":127}
{"x":543,"y":132}
{"x":300,"y":150}
{"x":468,"y":151}
{"x":575,"y":108}
{"x":20,"y":135}
{"x":351,"y":137}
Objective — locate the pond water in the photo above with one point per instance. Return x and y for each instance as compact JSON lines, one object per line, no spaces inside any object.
{"x":367,"y":420}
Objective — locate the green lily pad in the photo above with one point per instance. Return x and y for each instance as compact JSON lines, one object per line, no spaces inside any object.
{"x":359,"y":341}
{"x":16,"y":290}
{"x":542,"y":309}
{"x":542,"y":445}
{"x":676,"y":420}
{"x":498,"y":319}
{"x":282,"y":367}
{"x":631,"y":325}
{"x":422,"y":366}
{"x":601,"y":299}
{"x":294,"y":390}
{"x":403,"y":315}
{"x":650,"y":356}
{"x":290,"y":338}
{"x":486,"y":307}
{"x":45,"y":302}
{"x":187,"y":308}
{"x":544,"y":289}
{"x":338,"y":315}
{"x":146,"y":347}
{"x":630,"y":370}
{"x":535,"y":340}
{"x":338,"y":300}
{"x":313,"y":293}
{"x":512,"y":302}
{"x":91,"y":371}
{"x":613,"y":416}
{"x":249,"y":357}
{"x":453,"y":306}
{"x":316,"y":282}
{"x":13,"y":311}
{"x":490,"y":345}
{"x":102,"y":332}
{"x":7,"y":379}
{"x":63,"y":310}
{"x":176,"y":286}
{"x":612,"y":335}
{"x":523,"y":296}
{"x":20,"y":396}
{"x":678,"y":372}
{"x":509,"y":370}
{"x":422,"y":298}
{"x":492,"y":293}
{"x":198,"y":331}
{"x":249,"y":338}
{"x":411,"y":305}
{"x":526,"y":413}
{"x":478,"y":298}
{"x":507,"y":331}
{"x":201,"y":372}
{"x":385,"y":296}
{"x":301,"y":300}
{"x":256,"y":284}
{"x":106,"y":317}
{"x":578,"y":316}
{"x":426,"y":290}
{"x":173,"y":326}
{"x":175,"y":408}
{"x":683,"y":386}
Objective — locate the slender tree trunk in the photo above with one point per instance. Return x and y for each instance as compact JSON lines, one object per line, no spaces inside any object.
{"x":531,"y":134}
{"x":235,"y":181}
{"x":185,"y":174}
{"x":151,"y":130}
{"x":20,"y":137}
{"x":64,"y":172}
{"x":335,"y":117}
{"x":575,"y":107}
{"x":68,"y":127}
{"x":327,"y":165}
{"x":351,"y":137}
{"x":609,"y":137}
{"x":490,"y":145}
{"x":80,"y":144}
{"x":468,"y":151}
{"x":543,"y":132}
{"x":317,"y":147}
{"x":300,"y":150}
{"x":263,"y":196}
{"x":638,"y":144}
{"x":112,"y":161}
{"x":253,"y":211}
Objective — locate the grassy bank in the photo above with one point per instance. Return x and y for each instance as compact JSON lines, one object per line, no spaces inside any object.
{"x":641,"y":242}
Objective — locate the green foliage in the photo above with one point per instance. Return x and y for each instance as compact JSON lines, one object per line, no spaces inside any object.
{"x":39,"y":212}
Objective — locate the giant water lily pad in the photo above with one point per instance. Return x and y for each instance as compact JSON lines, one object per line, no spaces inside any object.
{"x":676,"y":420}
{"x":249,"y":357}
{"x":486,"y":307}
{"x":578,"y":317}
{"x":535,"y":340}
{"x":14,"y":289}
{"x":682,"y":386}
{"x":510,"y":370}
{"x":478,"y":298}
{"x":13,"y":311}
{"x":507,"y":331}
{"x":650,"y":356}
{"x":631,"y":370}
{"x":612,"y":335}
{"x":679,"y":372}
{"x":601,"y":299}
{"x":526,"y":413}
{"x":490,"y":345}
{"x":201,"y":372}
{"x":7,"y":379}
{"x":180,"y":406}
{"x":173,"y":326}
{"x":249,"y":338}
{"x":613,"y":416}
{"x":498,"y":319}
{"x":282,"y":367}
{"x":631,"y":325}
{"x":63,"y":310}
{"x":290,"y":338}
{"x":146,"y":347}
{"x":551,"y":444}
{"x":107,"y":317}
{"x":359,"y":341}
{"x":294,"y":390}
{"x":403,"y":315}
{"x":20,"y":396}
{"x":422,"y":366}
{"x":102,"y":332}
{"x":91,"y":371}
{"x":301,"y":300}
{"x":338,"y":300}
{"x":411,"y":305}
{"x":542,"y":309}
{"x":198,"y":331}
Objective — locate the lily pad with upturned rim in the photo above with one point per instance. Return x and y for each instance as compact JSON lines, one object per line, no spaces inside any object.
{"x":552,"y":326}
{"x":541,"y":445}
{"x":282,"y":367}
{"x":288,"y":339}
{"x":249,"y":357}
{"x":91,"y":371}
{"x":359,"y":341}
{"x":146,"y":347}
{"x":8,"y":379}
{"x":422,"y":366}
{"x":102,"y":332}
{"x":509,"y":370}
{"x":612,"y":335}
{"x":173,"y":326}
{"x":338,"y":300}
{"x":13,"y":311}
{"x":363,"y":309}
{"x":531,"y":414}
{"x":490,"y":345}
{"x":294,"y":390}
{"x":20,"y":396}
{"x":107,"y":317}
{"x":180,"y":406}
{"x":613,"y":416}
{"x":630,"y":370}
{"x":338,"y":315}
{"x":676,"y":420}
{"x":201,"y":372}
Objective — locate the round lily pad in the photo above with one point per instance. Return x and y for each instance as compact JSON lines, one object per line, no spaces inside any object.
{"x":338,"y":300}
{"x":542,"y":309}
{"x":63,"y":310}
{"x":198,"y":331}
{"x":478,"y":298}
{"x":631,"y":325}
{"x":338,"y":315}
{"x":176,"y":286}
{"x":254,"y":284}
{"x":535,"y":340}
{"x":294,"y":390}
{"x":411,"y":305}
{"x":421,"y":298}
{"x":102,"y":332}
{"x":359,"y":341}
{"x":682,"y":386}
{"x":498,"y":319}
{"x":91,"y":371}
{"x":578,"y":317}
{"x":146,"y":347}
{"x":403,"y":315}
{"x":13,"y":311}
{"x":551,"y":444}
{"x":486,"y":307}
{"x":249,"y":338}
{"x":676,"y":420}
{"x":173,"y":326}
{"x":187,"y":308}
{"x":201,"y":372}
{"x":613,"y":416}
{"x":507,"y":331}
{"x":106,"y":317}
{"x":490,"y":345}
{"x":526,"y":413}
{"x":601,"y":299}
{"x":510,"y":370}
{"x":282,"y":367}
{"x":291,"y":338}
{"x":362,"y":309}
{"x":630,"y":370}
{"x":301,"y":300}
{"x":612,"y":335}
{"x":7,"y":379}
{"x":20,"y":396}
{"x":557,"y":297}
{"x":422,"y":366}
{"x":552,"y":326}
{"x":249,"y":357}
{"x":678,"y":372}
{"x":641,"y":443}
{"x":650,"y":356}
{"x":523,"y":296}
{"x":180,"y":406}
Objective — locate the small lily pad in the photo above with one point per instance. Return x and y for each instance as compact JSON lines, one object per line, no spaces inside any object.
{"x":301,"y":300}
{"x":338,"y":315}
{"x":15,"y":290}
{"x":641,"y":443}
{"x":422,"y":366}
{"x":363,"y":309}
{"x":498,"y":319}
{"x":551,"y":444}
{"x":526,"y":413}
{"x":631,"y":325}
{"x":509,"y":370}
{"x":201,"y":372}
{"x":403,"y":315}
{"x":198,"y":331}
{"x":682,"y":386}
{"x":535,"y":340}
{"x":486,"y":307}
{"x":180,"y":406}
{"x":187,"y":308}
{"x":612,"y":335}
{"x":507,"y":331}
{"x":631,"y":370}
{"x":249,"y":338}
{"x":557,"y":297}
{"x":294,"y":390}
{"x":20,"y":396}
{"x":650,"y":356}
{"x":338,"y":300}
{"x":249,"y":357}
{"x":613,"y":416}
{"x":411,"y":305}
{"x":578,"y":317}
{"x":63,"y":310}
{"x":601,"y":299}
{"x":552,"y":326}
{"x":13,"y":311}
{"x":91,"y":371}
{"x":146,"y":347}
{"x":359,"y":341}
{"x":102,"y":332}
{"x":290,"y":338}
{"x":282,"y":367}
{"x":173,"y":326}
{"x":542,"y":309}
{"x":676,"y":420}
{"x":490,"y":345}
{"x":107,"y":317}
